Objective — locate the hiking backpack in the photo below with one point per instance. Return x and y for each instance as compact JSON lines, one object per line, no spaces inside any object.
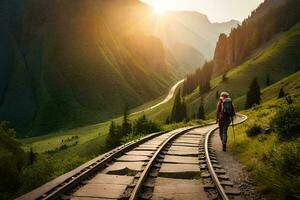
{"x":227,"y":108}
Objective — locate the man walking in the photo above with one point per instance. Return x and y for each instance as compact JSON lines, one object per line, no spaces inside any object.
{"x":225,"y":114}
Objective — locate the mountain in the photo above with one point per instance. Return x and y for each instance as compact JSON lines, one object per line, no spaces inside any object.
{"x":264,"y":47}
{"x":277,"y":59}
{"x":68,"y":63}
{"x":193,"y":29}
{"x":269,"y":19}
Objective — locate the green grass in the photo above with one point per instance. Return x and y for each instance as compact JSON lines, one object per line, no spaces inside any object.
{"x":53,"y":141}
{"x":88,"y":133}
{"x":81,"y":72}
{"x":254,"y":151}
{"x":279,"y":59}
{"x":53,"y":161}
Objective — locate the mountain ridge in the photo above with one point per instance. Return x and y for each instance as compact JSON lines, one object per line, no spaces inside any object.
{"x":60,"y":71}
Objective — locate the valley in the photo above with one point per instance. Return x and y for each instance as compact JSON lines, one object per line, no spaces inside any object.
{"x":93,"y":79}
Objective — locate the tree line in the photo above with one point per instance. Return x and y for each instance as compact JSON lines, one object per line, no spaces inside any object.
{"x":253,"y":96}
{"x":200,"y":78}
{"x":268,"y":19}
{"x":141,"y":126}
{"x":179,"y":110}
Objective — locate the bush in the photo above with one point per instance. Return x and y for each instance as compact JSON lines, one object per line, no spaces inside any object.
{"x":284,"y":165}
{"x":286,"y":123}
{"x":143,"y":126}
{"x":12,"y":161}
{"x":254,"y":130}
{"x":131,"y":137}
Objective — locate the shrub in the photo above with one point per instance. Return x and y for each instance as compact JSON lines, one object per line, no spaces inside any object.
{"x":281,"y":93}
{"x":130,"y":137}
{"x":283,"y":163}
{"x":12,"y":161}
{"x":254,"y":130}
{"x":143,"y":126}
{"x":286,"y":122}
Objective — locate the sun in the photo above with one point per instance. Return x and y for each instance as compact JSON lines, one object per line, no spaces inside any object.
{"x":159,"y":9}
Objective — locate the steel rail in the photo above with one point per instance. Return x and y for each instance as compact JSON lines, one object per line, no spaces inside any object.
{"x":210,"y":165}
{"x":71,"y":182}
{"x":74,"y":180}
{"x":146,"y":171}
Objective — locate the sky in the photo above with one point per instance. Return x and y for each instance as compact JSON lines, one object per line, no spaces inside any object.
{"x":216,"y":10}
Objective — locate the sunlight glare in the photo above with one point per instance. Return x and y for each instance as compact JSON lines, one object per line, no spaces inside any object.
{"x":159,"y":9}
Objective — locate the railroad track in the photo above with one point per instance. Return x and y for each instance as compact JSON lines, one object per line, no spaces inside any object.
{"x":163,"y":165}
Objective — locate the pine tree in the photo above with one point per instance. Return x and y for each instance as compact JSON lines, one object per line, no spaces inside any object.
{"x":113,"y":138}
{"x":126,"y":126}
{"x":144,"y":126}
{"x":205,"y":77}
{"x":194,"y":116}
{"x":281,"y":93}
{"x":217,"y":95}
{"x":168,"y":120}
{"x":253,"y":95}
{"x":268,"y":81}
{"x":201,"y":111}
{"x":31,"y":156}
{"x":183,"y":112}
{"x":176,"y":111}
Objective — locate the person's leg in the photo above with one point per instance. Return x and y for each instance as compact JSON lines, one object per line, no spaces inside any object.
{"x":221,"y":131}
{"x":225,"y":130}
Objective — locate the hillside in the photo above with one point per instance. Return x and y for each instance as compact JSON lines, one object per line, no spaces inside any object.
{"x":269,"y":19}
{"x":77,"y":63}
{"x":264,"y":155}
{"x":278,"y":59}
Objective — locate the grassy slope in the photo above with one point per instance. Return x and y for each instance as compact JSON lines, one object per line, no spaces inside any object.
{"x":279,"y":59}
{"x":90,"y":143}
{"x":63,"y":72}
{"x":252,"y":151}
{"x":282,"y":51}
{"x":98,"y":132}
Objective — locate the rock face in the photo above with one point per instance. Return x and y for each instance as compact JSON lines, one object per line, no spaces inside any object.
{"x":233,"y":49}
{"x":61,"y":60}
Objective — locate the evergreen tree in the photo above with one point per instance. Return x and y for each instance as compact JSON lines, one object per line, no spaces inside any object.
{"x":205,"y":77}
{"x":268,"y":81}
{"x":113,"y":138}
{"x":253,"y":95}
{"x":176,"y":111}
{"x":194,"y":116}
{"x":168,"y":120}
{"x":281,"y":93}
{"x":201,"y":111}
{"x":144,"y":126}
{"x":179,"y":111}
{"x":31,"y":156}
{"x":12,"y":160}
{"x":126,"y":126}
{"x":217,"y":95}
{"x":183,"y":113}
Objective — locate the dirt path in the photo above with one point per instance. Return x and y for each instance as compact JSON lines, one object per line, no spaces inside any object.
{"x":168,"y":98}
{"x":235,"y":170}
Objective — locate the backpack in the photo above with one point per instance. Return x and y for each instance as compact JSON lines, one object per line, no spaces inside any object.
{"x":227,"y":108}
